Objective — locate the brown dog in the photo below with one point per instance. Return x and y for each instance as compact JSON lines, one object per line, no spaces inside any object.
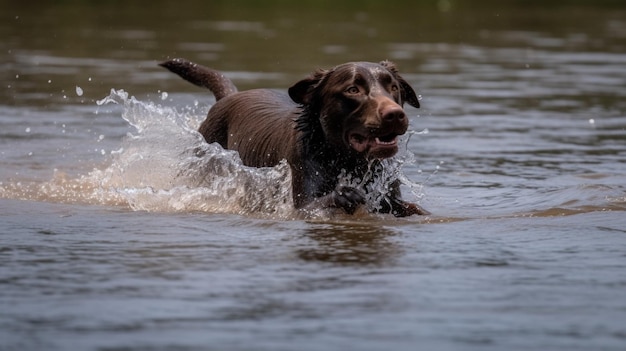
{"x":335,"y":120}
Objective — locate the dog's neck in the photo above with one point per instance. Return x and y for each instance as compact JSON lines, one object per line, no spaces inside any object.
{"x":315,"y":146}
{"x":323,"y":161}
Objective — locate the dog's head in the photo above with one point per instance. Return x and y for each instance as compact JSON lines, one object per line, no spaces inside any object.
{"x":358,"y":105}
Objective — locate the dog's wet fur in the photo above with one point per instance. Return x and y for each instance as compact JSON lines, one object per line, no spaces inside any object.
{"x":343,"y":118}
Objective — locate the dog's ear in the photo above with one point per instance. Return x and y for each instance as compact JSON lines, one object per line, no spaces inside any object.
{"x":303,"y":91}
{"x":407,"y":92}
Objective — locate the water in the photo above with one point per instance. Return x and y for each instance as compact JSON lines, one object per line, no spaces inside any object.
{"x":114,"y":234}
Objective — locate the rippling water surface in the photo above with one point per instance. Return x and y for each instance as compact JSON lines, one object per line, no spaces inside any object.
{"x":121,"y":229}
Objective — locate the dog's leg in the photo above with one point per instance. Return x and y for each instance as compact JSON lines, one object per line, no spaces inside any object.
{"x":346,"y":198}
{"x":399,"y":207}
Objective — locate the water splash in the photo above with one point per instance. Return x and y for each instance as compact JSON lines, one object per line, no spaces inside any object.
{"x":381,"y":174}
{"x":167,"y":166}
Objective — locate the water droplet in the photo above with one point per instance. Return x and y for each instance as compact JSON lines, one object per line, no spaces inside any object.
{"x":27,"y":130}
{"x":163,"y":95}
{"x":101,"y":137}
{"x":79,"y":91}
{"x":592,"y":121}
{"x":49,"y":81}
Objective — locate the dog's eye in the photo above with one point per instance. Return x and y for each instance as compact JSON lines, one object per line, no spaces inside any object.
{"x":394,"y":88}
{"x":352,"y":90}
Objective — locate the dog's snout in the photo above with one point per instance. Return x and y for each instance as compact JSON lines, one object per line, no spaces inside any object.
{"x":392,"y":113}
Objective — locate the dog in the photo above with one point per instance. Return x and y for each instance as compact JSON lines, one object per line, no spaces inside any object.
{"x":333,"y":121}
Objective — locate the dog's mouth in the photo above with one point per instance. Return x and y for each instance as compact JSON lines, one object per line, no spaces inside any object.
{"x":382,"y":146}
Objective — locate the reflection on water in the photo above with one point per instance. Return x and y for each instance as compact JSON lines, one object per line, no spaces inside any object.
{"x":351,"y":243}
{"x":519,"y":151}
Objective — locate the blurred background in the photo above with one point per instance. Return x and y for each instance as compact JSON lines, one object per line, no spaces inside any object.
{"x":117,"y":43}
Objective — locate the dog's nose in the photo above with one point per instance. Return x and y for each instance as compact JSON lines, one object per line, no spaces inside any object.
{"x":393,"y":113}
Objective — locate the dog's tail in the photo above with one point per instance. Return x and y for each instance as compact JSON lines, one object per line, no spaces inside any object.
{"x":201,"y":76}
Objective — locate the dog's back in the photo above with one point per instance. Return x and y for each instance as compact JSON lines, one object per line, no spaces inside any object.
{"x":257,"y":123}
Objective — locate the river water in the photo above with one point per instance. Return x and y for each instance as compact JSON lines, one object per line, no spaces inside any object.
{"x":120,"y":229}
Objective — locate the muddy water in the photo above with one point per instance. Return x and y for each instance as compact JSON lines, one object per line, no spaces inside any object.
{"x":121,"y":229}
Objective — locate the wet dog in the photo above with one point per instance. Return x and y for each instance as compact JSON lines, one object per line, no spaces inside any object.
{"x":336,"y":120}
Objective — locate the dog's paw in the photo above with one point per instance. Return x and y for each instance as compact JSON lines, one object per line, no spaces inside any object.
{"x":348,"y":198}
{"x":404,"y":209}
